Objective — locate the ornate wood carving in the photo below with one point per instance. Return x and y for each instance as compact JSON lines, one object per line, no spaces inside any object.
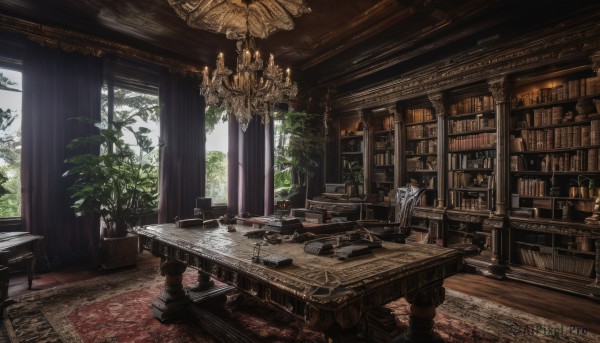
{"x":596,"y":62}
{"x":464,"y":217}
{"x":498,"y":89}
{"x":494,"y":223}
{"x":437,"y":101}
{"x":566,"y":229}
{"x":427,"y":214}
{"x":72,"y":41}
{"x":563,"y":42}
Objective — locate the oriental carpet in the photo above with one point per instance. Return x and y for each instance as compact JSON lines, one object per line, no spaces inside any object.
{"x":116,"y":308}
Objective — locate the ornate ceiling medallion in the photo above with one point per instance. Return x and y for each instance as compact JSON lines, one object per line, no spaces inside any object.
{"x":240,"y":18}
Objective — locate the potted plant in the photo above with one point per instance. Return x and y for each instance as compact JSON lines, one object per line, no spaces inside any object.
{"x":298,"y":151}
{"x":119,"y":184}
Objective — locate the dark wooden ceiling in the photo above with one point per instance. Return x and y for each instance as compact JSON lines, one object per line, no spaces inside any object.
{"x":341,"y":43}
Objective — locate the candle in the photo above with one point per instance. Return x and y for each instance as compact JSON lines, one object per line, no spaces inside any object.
{"x":271,"y":60}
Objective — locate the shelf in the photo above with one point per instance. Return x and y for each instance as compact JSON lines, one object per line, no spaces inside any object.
{"x":474,"y":132}
{"x":470,"y":189}
{"x":555,"y":198}
{"x":463,"y":233}
{"x":472,"y":150}
{"x":541,"y":173}
{"x":407,"y":154}
{"x":552,"y":103}
{"x":553,"y":151}
{"x":384,"y":132}
{"x":351,"y":137}
{"x":551,"y":126}
{"x":352,"y":153}
{"x":575,"y":251}
{"x":422,"y":122}
{"x":473,"y":170}
{"x":390,"y":182}
{"x":422,"y":171}
{"x":420,"y":139}
{"x":473,"y":114}
{"x":383,"y":166}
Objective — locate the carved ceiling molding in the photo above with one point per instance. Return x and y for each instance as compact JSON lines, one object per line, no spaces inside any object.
{"x":498,"y":89}
{"x":437,"y":101}
{"x":71,"y":41}
{"x":235,"y":18}
{"x":561,"y":45}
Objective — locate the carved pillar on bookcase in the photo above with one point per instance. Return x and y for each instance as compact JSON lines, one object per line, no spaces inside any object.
{"x":596,"y":62}
{"x":399,"y":147}
{"x":326,"y":122}
{"x":437,"y":100}
{"x":595,"y":287}
{"x":500,"y":94}
{"x":366,"y":152}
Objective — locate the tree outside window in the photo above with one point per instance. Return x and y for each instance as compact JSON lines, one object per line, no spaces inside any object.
{"x":217,"y":137}
{"x":10,"y":143}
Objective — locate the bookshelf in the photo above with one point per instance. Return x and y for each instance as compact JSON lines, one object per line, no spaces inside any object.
{"x":352,"y":149}
{"x":421,"y":158}
{"x":471,"y":162}
{"x":383,"y":143}
{"x":554,"y":170}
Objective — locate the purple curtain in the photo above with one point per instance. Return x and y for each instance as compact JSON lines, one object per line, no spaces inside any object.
{"x":57,"y":86}
{"x":182,"y":158}
{"x":251,"y":168}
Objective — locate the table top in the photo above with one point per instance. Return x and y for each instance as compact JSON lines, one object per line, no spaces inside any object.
{"x":13,"y":239}
{"x":317,"y":279}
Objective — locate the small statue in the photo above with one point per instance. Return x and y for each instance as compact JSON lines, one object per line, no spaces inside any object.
{"x":595,"y":217}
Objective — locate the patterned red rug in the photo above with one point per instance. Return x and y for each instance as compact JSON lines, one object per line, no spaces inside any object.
{"x":116,"y":308}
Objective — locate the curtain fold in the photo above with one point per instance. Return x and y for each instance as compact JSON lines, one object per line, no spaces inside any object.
{"x":182,"y":158}
{"x":250,"y":167}
{"x":57,"y":86}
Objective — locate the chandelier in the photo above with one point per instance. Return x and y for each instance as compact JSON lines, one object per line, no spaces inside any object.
{"x":252,"y":89}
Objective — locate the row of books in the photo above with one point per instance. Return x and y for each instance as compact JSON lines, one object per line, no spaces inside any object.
{"x":423,"y":147}
{"x":479,"y":123}
{"x":383,"y":158}
{"x":417,"y":164}
{"x":419,"y":115}
{"x":472,"y":105}
{"x":479,"y":141}
{"x":572,"y":89}
{"x":466,"y":161}
{"x":576,"y":161}
{"x":422,"y":131}
{"x":545,"y":116}
{"x":468,"y":201}
{"x":556,"y":138}
{"x":532,"y":187}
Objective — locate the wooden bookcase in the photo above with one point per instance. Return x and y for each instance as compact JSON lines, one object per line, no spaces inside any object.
{"x":554,"y":170}
{"x":352,"y":150}
{"x":382,"y":162}
{"x":421,"y":158}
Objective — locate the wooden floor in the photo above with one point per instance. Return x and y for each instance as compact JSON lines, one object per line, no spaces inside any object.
{"x":562,"y":308}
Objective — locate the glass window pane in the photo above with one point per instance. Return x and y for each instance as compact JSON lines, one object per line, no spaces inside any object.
{"x":217,"y":144}
{"x":10,"y":143}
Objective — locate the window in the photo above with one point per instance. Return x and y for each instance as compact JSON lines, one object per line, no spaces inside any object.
{"x":10,"y":143}
{"x":217,"y":138}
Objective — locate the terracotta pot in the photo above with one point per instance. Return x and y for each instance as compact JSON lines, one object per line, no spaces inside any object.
{"x":584,"y":192}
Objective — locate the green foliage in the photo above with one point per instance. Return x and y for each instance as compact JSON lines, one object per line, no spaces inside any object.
{"x":126,"y":102}
{"x":10,"y":156}
{"x":120,"y":183}
{"x":216,"y":176}
{"x":212,"y":116}
{"x":298,"y":150}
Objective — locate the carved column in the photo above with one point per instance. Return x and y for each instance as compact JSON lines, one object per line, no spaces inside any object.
{"x":437,"y":100}
{"x":326,"y":119}
{"x":595,"y":287}
{"x":596,"y":62}
{"x":399,"y":147}
{"x":366,"y":152}
{"x":500,"y":94}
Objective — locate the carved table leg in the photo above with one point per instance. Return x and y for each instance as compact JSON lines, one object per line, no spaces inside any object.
{"x":204,"y":282}
{"x":422,"y":313}
{"x":173,"y":300}
{"x":31,"y":271}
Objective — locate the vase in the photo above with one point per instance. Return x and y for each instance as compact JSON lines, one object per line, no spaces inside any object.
{"x":584,"y":192}
{"x":573,"y":192}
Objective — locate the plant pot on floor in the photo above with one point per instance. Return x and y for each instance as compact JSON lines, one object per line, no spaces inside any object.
{"x":119,"y":252}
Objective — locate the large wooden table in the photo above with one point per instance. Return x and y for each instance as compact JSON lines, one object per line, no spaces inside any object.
{"x":331,"y":295}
